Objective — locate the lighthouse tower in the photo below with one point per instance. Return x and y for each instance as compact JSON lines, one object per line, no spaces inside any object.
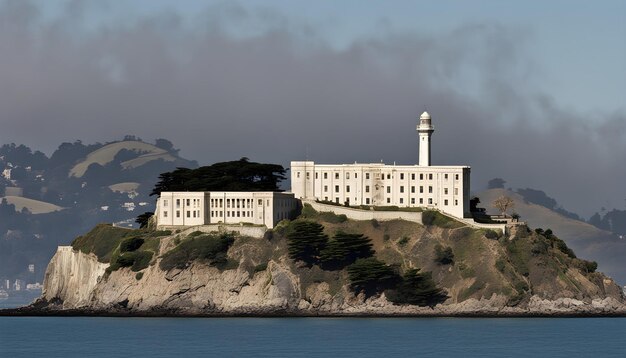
{"x":425,"y":130}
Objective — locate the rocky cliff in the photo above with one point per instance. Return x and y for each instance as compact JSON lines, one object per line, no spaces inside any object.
{"x":520,"y":274}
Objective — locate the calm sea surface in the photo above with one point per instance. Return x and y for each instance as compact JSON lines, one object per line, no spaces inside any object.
{"x":311,"y":337}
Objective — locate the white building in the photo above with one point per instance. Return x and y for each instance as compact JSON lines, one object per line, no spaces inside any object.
{"x":445,"y":188}
{"x":213,"y":207}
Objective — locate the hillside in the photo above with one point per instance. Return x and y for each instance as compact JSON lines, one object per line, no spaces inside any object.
{"x":194,"y":272}
{"x":106,"y":155}
{"x":586,"y":240}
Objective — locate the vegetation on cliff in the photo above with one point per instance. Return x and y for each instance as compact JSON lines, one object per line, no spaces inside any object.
{"x":411,"y":264}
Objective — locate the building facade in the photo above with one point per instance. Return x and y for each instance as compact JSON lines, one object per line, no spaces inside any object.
{"x":213,"y":207}
{"x":445,"y":188}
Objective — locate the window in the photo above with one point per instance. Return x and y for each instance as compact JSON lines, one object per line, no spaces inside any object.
{"x":430,"y":177}
{"x":267,"y":203}
{"x":188,"y":213}
{"x":412,"y":189}
{"x":421,"y":200}
{"x":194,"y":213}
{"x":421,"y":189}
{"x":421,"y":176}
{"x":401,"y":200}
{"x":367,"y":201}
{"x":347,"y":188}
{"x":336,"y":175}
{"x":445,"y":191}
{"x":445,"y":202}
{"x":298,"y":175}
{"x":412,"y":200}
{"x":177,"y":213}
{"x":388,"y":176}
{"x":356,"y":175}
{"x":430,"y":189}
{"x":456,"y":191}
{"x":165,"y":214}
{"x":367,"y":176}
{"x":164,"y":202}
{"x":325,"y":198}
{"x":261,"y":202}
{"x":228,"y":214}
{"x":336,"y":188}
{"x":388,"y":189}
{"x":367,"y":188}
{"x":430,"y":201}
{"x":402,"y":188}
{"x":325,"y":175}
{"x":413,"y":176}
{"x":177,"y":203}
{"x":401,"y":176}
{"x":388,"y":200}
{"x":456,"y":177}
{"x":337,"y":200}
{"x":325,"y":188}
{"x":445,"y":176}
{"x":456,"y":203}
{"x":316,"y":175}
{"x":347,"y":175}
{"x":308,"y":175}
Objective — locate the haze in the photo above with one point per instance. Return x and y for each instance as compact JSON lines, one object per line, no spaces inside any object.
{"x":534,"y":96}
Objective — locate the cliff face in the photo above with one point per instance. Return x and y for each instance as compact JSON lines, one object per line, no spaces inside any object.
{"x":71,"y":277}
{"x":260,"y":279}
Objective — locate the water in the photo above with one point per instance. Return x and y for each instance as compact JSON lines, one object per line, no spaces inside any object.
{"x":311,"y":337}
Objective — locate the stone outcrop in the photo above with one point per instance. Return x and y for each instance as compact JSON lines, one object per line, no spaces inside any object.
{"x":77,"y":281}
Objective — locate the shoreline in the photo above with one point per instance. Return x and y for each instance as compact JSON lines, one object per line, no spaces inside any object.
{"x":34,"y":312}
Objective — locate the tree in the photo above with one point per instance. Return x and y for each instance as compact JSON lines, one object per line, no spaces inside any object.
{"x":344,"y":249}
{"x":143,"y":219}
{"x":371,"y":276}
{"x":503,"y":203}
{"x":306,"y":239}
{"x":239,"y":175}
{"x":496,"y":183}
{"x":417,"y":288}
{"x":474,"y":201}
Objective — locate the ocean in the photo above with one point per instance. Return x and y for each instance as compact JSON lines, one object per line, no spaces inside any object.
{"x":311,"y":337}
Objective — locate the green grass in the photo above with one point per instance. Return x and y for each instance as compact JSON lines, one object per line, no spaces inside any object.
{"x":210,"y":248}
{"x":435,"y":218}
{"x":103,"y":240}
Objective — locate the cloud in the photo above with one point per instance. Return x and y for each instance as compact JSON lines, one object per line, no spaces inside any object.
{"x":240,"y":81}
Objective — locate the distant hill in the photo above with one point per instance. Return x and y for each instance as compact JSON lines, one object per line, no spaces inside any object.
{"x":68,"y":192}
{"x":145,"y":153}
{"x":588,"y":241}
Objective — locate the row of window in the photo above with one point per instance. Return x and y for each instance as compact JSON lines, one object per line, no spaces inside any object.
{"x":190,"y":213}
{"x":377,"y":176}
{"x":367,"y":189}
{"x":421,"y":201}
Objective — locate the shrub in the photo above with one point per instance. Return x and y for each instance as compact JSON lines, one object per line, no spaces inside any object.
{"x":138,"y":276}
{"x":417,"y":288}
{"x":491,"y":234}
{"x":371,"y":276}
{"x":500,"y":265}
{"x":161,"y":233}
{"x":386,"y":237}
{"x":375,"y":223}
{"x":539,"y":247}
{"x":260,"y":267}
{"x":443,"y":255}
{"x":435,"y":218}
{"x":125,"y":260}
{"x":211,"y":248}
{"x":131,"y":244}
{"x":403,"y":241}
{"x":142,"y":260}
{"x":461,"y":233}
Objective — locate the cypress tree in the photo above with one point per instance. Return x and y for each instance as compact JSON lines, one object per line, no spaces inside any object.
{"x":306,"y":239}
{"x":371,"y":276}
{"x":344,"y":249}
{"x":417,"y":288}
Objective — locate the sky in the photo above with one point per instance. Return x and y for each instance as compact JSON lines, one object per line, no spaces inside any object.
{"x":532,"y":92}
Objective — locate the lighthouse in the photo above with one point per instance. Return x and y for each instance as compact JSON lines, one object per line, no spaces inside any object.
{"x":425,"y":130}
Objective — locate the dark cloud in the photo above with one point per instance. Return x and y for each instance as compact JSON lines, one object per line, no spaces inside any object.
{"x":286,"y":94}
